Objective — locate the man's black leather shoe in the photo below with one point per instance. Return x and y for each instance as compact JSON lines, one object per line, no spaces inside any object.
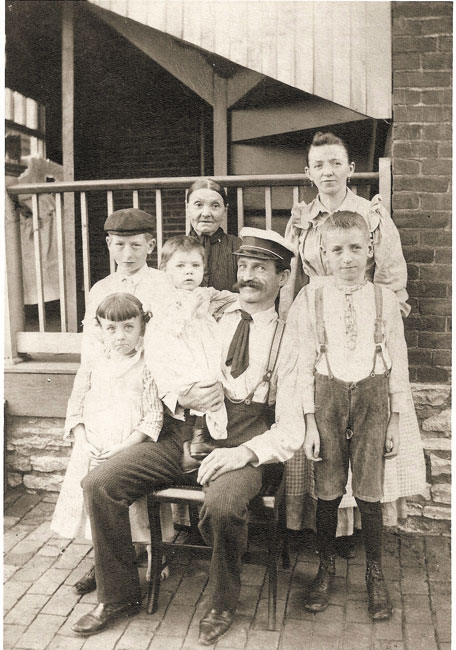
{"x":87,"y":583}
{"x":213,"y":625}
{"x":96,"y":620}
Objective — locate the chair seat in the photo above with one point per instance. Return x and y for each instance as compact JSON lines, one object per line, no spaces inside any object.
{"x":195,"y":494}
{"x":179,"y":493}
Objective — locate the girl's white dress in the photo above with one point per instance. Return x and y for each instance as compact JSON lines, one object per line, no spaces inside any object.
{"x":107,"y":399}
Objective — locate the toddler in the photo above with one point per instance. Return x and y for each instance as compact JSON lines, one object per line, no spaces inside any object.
{"x":182,"y":344}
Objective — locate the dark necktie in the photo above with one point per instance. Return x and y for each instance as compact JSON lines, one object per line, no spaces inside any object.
{"x":238,"y":352}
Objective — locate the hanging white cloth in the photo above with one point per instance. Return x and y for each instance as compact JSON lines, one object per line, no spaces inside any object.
{"x":39,"y":170}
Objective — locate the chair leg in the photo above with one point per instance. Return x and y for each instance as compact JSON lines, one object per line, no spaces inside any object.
{"x":284,"y":535}
{"x":193,"y":515}
{"x":157,"y":553}
{"x":273,"y":547}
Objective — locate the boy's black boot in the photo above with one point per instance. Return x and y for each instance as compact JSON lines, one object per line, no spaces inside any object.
{"x":200,"y":445}
{"x":318,"y":597}
{"x":380,"y":607}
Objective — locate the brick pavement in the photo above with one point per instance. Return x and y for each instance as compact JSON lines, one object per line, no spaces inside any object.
{"x":40,"y":607}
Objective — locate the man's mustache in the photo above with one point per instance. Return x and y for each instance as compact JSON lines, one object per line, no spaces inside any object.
{"x":254,"y":284}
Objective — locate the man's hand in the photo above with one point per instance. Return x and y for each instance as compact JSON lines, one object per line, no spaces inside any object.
{"x":312,"y":439}
{"x":224,"y":460}
{"x":202,"y":397}
{"x":392,"y":440}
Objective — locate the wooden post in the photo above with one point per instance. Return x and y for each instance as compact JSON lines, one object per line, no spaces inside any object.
{"x":220,"y":127}
{"x":14,"y":293}
{"x":384,"y":182}
{"x":220,"y":130}
{"x":68,"y":161}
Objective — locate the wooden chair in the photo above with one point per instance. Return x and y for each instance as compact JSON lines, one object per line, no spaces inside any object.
{"x":267,"y":509}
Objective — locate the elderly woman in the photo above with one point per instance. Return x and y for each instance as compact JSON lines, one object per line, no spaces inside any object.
{"x":329,"y":169}
{"x":207,"y":205}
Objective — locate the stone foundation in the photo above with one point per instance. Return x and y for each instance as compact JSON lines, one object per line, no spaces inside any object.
{"x":431,"y":512}
{"x":37,"y":457}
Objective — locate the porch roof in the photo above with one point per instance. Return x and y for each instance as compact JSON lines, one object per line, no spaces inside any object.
{"x":340,"y":51}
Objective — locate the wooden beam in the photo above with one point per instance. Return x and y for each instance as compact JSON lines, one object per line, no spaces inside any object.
{"x":49,"y":342}
{"x":220,"y":127}
{"x":384,"y":182}
{"x":220,"y":130}
{"x":68,"y":161}
{"x":38,"y":395}
{"x":241,"y":84}
{"x":182,"y":61}
{"x":309,"y":114}
{"x":14,"y":293}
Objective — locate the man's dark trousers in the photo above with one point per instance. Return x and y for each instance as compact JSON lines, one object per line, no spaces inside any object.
{"x":114,"y":485}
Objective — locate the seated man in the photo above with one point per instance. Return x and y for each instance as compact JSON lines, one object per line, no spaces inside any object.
{"x":231,"y":475}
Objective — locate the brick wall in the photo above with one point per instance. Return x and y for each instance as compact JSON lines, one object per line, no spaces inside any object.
{"x":421,"y":153}
{"x":422,"y":165}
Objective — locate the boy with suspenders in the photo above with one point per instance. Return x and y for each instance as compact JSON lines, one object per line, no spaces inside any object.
{"x":353,"y":380}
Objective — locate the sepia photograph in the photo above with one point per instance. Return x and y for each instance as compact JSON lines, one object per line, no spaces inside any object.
{"x":227,"y":324}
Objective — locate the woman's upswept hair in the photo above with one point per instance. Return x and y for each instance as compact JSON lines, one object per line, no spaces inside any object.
{"x":121,"y":306}
{"x":345,"y":220}
{"x":185,"y":243}
{"x":207,"y":184}
{"x":321,"y":138}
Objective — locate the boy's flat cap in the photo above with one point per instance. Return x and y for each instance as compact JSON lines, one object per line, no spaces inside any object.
{"x":265,"y":245}
{"x":129,"y":221}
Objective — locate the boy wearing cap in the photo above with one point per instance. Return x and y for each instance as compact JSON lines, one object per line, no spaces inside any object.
{"x":130,"y":241}
{"x":232,"y":474}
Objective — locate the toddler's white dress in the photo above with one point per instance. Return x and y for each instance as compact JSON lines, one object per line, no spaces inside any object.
{"x":183,"y":346}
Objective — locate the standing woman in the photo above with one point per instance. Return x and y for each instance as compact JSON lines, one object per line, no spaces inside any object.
{"x":329,"y":169}
{"x":207,"y":205}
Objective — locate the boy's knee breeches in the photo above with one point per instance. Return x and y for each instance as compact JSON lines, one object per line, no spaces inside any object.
{"x":352,"y":419}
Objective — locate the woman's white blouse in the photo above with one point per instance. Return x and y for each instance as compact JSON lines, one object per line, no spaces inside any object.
{"x":387,"y":268}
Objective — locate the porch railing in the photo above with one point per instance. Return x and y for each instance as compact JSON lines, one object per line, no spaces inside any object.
{"x":17,"y":341}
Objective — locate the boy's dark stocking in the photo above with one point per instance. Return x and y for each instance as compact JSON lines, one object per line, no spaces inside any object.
{"x":372,"y":526}
{"x":318,"y":598}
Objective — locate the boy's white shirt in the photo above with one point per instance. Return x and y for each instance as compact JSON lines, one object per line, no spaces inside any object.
{"x":350,"y":365}
{"x":149,"y":285}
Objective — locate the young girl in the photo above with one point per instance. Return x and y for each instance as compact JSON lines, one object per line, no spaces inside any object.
{"x":181,"y":343}
{"x":114,"y":405}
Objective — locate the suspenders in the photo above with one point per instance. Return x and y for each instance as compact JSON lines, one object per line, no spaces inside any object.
{"x":272,"y":362}
{"x":323,"y":339}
